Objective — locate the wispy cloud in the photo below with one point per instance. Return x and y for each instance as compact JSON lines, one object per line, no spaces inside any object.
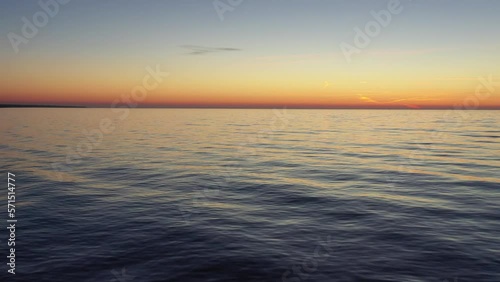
{"x":202,"y":50}
{"x":367,"y":99}
{"x":406,"y":102}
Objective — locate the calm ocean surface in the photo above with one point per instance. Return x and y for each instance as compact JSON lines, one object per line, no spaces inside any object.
{"x":253,"y":195}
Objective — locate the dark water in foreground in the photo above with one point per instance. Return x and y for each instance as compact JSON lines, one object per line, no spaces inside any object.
{"x":253,"y":195}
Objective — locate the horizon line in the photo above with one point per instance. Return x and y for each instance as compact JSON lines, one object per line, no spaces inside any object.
{"x":243,"y":107}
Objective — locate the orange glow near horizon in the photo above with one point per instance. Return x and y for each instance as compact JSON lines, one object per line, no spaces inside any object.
{"x":291,"y":58}
{"x":308,"y":83}
{"x":325,"y":94}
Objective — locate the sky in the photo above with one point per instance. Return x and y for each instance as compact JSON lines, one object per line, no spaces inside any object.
{"x":252,"y":53}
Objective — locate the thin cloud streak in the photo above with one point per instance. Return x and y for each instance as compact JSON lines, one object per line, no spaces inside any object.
{"x":202,"y":50}
{"x":370,"y":100}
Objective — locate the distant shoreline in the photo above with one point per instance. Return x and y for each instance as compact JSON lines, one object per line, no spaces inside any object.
{"x":37,"y":106}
